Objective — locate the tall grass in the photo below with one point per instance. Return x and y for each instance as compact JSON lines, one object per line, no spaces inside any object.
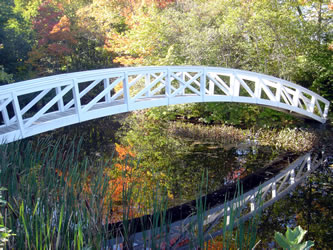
{"x":58,"y":199}
{"x":55,"y":199}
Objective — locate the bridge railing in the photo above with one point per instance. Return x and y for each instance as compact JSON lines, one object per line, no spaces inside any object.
{"x":35,"y":106}
{"x":246,"y":205}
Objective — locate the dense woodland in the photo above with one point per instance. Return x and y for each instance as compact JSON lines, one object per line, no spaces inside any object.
{"x":290,"y":39}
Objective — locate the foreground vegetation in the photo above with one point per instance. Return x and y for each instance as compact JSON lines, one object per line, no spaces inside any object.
{"x":57,"y":196}
{"x":55,"y":199}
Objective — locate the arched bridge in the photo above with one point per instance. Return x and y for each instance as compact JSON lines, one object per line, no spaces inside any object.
{"x":35,"y":106}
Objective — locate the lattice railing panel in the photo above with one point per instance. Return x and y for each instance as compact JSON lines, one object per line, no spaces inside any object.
{"x":43,"y":104}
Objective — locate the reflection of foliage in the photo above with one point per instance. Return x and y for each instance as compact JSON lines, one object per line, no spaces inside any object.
{"x":309,"y":206}
{"x":172,"y":158}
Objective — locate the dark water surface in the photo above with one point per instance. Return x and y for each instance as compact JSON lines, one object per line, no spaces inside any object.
{"x":310,"y":205}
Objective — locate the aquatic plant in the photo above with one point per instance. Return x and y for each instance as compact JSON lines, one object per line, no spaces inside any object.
{"x":293,"y":239}
{"x":5,"y":233}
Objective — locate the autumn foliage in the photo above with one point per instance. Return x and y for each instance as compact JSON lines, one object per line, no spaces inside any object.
{"x":55,"y":39}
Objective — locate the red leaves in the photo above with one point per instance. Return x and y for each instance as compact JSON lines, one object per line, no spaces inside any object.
{"x":55,"y":38}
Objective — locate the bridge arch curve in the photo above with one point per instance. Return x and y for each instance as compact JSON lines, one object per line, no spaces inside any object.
{"x":35,"y":106}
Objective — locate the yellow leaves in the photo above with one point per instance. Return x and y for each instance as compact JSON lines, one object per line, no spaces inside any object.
{"x":128,"y":60}
{"x":62,"y":26}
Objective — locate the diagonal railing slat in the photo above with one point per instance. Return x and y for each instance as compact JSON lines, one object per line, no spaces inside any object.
{"x":128,"y":89}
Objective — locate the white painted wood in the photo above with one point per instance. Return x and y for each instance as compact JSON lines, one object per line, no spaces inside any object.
{"x":76,"y":99}
{"x":288,"y":96}
{"x":4,"y":113}
{"x":17,"y":110}
{"x":246,"y":203}
{"x":61,"y":106}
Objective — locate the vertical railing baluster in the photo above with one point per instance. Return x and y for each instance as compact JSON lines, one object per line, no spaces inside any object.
{"x":296,"y":98}
{"x":106,"y":83}
{"x":183,"y":77}
{"x":308,"y":163}
{"x":126,"y":90}
{"x":325,"y":111}
{"x":312,"y":104}
{"x":257,"y":89}
{"x":147,"y":82}
{"x":5,"y":115}
{"x":203,"y":84}
{"x":278,"y":92}
{"x":18,"y":114}
{"x":211,"y":85}
{"x":228,"y":215}
{"x":292,"y":177}
{"x":252,"y":203}
{"x":77,"y":99}
{"x":273,"y":190}
{"x":236,"y":86}
{"x":168,"y":83}
{"x":61,"y":106}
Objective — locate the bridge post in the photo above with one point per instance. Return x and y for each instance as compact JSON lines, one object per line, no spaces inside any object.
{"x":147,"y":82}
{"x":182,"y":76}
{"x":312,"y":104}
{"x":326,"y":111}
{"x":211,"y":87}
{"x":126,"y":90}
{"x":252,"y":203}
{"x":296,"y":98}
{"x":203,"y":84}
{"x":4,"y":113}
{"x":228,"y":215}
{"x":292,"y":176}
{"x":308,"y":163}
{"x":61,"y":100}
{"x":17,"y":110}
{"x":168,"y":83}
{"x":278,"y":92}
{"x":234,"y":85}
{"x":257,"y":89}
{"x":273,"y":190}
{"x":77,"y":99}
{"x":106,"y":83}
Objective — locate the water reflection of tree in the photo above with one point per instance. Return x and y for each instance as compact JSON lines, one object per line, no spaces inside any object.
{"x":310,"y":206}
{"x":177,"y":163}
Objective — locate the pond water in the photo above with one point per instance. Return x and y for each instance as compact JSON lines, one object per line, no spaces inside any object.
{"x":178,"y":164}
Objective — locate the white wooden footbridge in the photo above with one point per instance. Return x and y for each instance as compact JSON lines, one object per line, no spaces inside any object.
{"x":35,"y":106}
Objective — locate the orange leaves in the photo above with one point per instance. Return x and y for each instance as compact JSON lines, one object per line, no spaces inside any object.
{"x":124,"y":151}
{"x":128,"y":60}
{"x":330,"y":5}
{"x":61,"y":26}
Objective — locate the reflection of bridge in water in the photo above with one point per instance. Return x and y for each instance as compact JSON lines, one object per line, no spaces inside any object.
{"x":247,"y":205}
{"x":32,"y":107}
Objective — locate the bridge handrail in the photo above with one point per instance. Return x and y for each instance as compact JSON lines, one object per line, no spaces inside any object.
{"x":24,"y":87}
{"x":153,"y":86}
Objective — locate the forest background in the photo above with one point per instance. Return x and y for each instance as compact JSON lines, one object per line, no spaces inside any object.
{"x":289,"y":39}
